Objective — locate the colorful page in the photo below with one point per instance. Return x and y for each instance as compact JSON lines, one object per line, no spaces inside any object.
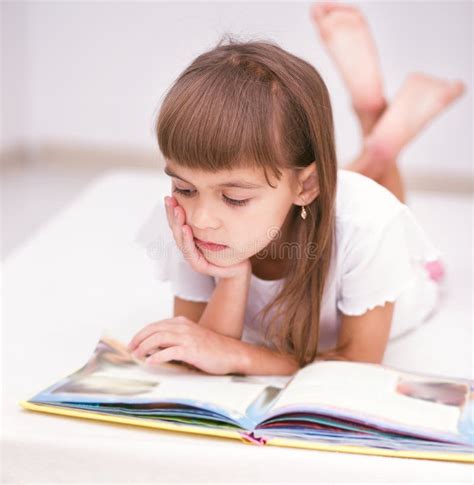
{"x":115,"y":382}
{"x":334,"y":406}
{"x":370,"y":403}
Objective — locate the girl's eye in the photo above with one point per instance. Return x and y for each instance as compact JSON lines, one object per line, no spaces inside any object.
{"x":234,"y":201}
{"x":189,"y":193}
{"x":186,"y":193}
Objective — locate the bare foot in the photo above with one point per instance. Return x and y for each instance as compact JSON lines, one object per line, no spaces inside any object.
{"x":348,"y":40}
{"x":419,"y":100}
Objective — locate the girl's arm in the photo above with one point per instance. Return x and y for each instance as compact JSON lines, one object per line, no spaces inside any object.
{"x":258,"y":360}
{"x":363,"y":339}
{"x":225,"y":311}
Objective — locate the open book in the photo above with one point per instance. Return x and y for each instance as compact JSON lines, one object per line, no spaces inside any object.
{"x":327,"y":405}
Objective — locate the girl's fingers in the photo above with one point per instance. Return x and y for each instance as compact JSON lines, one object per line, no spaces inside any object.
{"x":157,"y":340}
{"x":148,"y":330}
{"x":189,"y":247}
{"x":169,"y":206}
{"x":170,"y":218}
{"x":174,"y":220}
{"x":184,"y":238}
{"x":165,"y":355}
{"x":179,"y":220}
{"x":195,"y":257}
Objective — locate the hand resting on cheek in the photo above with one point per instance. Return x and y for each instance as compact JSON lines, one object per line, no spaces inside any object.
{"x":184,"y":238}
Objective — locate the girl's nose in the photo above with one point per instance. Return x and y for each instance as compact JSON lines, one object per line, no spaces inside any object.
{"x":203,"y":217}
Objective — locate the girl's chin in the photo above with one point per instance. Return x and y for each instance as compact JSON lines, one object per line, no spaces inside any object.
{"x":221,"y":258}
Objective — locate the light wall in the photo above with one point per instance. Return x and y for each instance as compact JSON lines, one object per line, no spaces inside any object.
{"x":93,"y":73}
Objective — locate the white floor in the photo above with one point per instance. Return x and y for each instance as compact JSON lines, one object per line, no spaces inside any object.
{"x":80,"y":273}
{"x":32,"y":192}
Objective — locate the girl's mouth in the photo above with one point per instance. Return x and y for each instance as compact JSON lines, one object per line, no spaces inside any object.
{"x":209,"y":245}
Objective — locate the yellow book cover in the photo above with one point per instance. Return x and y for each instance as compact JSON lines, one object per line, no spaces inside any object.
{"x":333,"y":406}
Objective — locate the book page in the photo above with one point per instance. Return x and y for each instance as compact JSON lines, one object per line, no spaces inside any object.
{"x":371,"y":389}
{"x":113,"y":375}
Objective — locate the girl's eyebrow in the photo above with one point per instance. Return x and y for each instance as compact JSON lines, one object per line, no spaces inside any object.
{"x":243,"y":184}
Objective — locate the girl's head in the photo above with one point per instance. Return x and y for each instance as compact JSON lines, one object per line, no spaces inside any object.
{"x":255,"y":116}
{"x":239,"y":209}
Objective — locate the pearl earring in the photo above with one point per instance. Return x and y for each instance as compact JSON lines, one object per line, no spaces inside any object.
{"x":303,"y":212}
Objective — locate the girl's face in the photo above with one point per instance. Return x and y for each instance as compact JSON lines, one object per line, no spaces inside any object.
{"x":236,"y":208}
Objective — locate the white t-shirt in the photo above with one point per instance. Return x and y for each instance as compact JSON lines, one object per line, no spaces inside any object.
{"x":379,"y":251}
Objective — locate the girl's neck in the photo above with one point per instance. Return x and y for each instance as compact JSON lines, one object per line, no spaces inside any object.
{"x":272,"y":266}
{"x":265,"y":270}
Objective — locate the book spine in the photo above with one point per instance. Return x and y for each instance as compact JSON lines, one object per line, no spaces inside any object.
{"x":251,"y":438}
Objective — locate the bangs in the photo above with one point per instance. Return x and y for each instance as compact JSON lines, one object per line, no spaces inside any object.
{"x":223,"y":117}
{"x":255,"y":105}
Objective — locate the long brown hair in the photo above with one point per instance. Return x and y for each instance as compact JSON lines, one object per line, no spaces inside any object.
{"x":253,"y":103}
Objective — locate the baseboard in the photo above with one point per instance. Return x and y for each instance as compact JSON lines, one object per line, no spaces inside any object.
{"x":112,"y":156}
{"x":102,"y":157}
{"x":78,"y":155}
{"x":439,"y":182}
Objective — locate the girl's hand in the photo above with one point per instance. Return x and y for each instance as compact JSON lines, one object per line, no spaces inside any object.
{"x":184,"y":237}
{"x":180,"y":338}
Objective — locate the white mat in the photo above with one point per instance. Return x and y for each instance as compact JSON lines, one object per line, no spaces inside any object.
{"x":82,"y":273}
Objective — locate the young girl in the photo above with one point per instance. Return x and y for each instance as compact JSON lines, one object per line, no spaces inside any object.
{"x":280,"y":258}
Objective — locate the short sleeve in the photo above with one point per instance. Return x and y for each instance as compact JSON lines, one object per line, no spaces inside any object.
{"x":381,"y":262}
{"x":167,"y":261}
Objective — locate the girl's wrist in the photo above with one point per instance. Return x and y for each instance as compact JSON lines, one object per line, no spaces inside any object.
{"x":242,"y":272}
{"x":250,"y":359}
{"x":225,"y":311}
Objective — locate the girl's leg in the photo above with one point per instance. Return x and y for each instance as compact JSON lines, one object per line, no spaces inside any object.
{"x":346,"y":36}
{"x":420,"y":99}
{"x":391,"y":178}
{"x":386,"y":130}
{"x":393,"y":181}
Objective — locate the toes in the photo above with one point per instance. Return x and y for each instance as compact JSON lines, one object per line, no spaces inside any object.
{"x":457,"y":88}
{"x":451,"y":90}
{"x":318,"y":13}
{"x":332,"y":18}
{"x":419,"y":81}
{"x":322,"y":9}
{"x":443,"y":91}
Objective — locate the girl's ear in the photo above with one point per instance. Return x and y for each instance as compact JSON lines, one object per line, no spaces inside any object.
{"x":308,"y":185}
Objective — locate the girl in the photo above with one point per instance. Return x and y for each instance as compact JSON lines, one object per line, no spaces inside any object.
{"x":280,"y":258}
